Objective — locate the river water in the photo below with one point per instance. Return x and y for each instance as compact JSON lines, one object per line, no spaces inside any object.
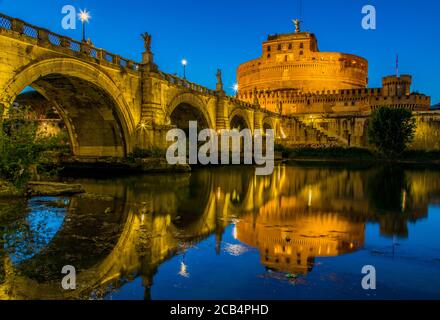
{"x":305,"y":232}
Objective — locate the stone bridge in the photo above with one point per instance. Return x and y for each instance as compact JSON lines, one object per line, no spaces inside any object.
{"x":111,"y":105}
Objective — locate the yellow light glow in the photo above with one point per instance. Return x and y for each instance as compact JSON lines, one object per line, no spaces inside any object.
{"x":183,"y":270}
{"x":84,"y":16}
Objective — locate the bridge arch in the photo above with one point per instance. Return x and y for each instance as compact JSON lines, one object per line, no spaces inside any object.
{"x":185,"y":107}
{"x":269,"y":123}
{"x":239,"y":119}
{"x":93,"y":108}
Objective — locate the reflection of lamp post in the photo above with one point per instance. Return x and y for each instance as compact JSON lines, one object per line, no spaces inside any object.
{"x":84,"y":16}
{"x":183,"y":268}
{"x":184,"y":63}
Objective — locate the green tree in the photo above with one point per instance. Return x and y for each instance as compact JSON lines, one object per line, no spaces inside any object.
{"x":391,"y":130}
{"x":22,"y":150}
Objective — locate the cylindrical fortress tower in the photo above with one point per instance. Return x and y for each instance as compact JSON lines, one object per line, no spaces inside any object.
{"x":293,"y":62}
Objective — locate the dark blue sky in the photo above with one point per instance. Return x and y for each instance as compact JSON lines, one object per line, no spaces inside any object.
{"x":225,"y":33}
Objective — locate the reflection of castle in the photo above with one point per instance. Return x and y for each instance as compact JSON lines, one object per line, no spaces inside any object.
{"x":292,"y":76}
{"x":289,"y":241}
{"x":293,"y":216}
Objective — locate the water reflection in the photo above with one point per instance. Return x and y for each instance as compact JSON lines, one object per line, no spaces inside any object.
{"x":124,"y":228}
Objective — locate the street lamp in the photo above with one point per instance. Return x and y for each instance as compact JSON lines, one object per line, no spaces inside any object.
{"x":184,"y":63}
{"x":84,"y":16}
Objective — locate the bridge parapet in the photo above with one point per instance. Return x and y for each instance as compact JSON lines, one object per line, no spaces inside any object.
{"x":17,"y":28}
{"x":180,"y":82}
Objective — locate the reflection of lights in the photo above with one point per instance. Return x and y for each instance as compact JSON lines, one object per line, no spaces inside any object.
{"x":235,"y":232}
{"x":142,"y":217}
{"x":404,"y":200}
{"x":310,"y":198}
{"x":283,"y":135}
{"x":183,"y":272}
{"x":219,"y":193}
{"x":235,"y":249}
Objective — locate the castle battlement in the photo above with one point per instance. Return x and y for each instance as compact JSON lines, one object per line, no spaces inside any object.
{"x":293,"y":76}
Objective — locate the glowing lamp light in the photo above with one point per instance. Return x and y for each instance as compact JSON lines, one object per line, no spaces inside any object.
{"x":84,"y":16}
{"x":184,"y":62}
{"x":235,"y":87}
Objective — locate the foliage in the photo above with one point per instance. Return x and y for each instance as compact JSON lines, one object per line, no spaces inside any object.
{"x":325,"y":152}
{"x":21,"y":148}
{"x":391,"y":130}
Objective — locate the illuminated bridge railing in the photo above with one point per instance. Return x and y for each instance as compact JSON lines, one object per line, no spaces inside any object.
{"x":186,"y":84}
{"x":62,"y":43}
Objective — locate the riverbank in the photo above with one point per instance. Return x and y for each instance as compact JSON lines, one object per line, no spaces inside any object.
{"x":357,"y":155}
{"x":39,"y":188}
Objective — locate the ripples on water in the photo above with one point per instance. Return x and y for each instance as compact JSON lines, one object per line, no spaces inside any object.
{"x":224,"y":233}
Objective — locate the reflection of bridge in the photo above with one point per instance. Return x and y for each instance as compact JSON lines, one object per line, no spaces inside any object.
{"x":292,"y":217}
{"x":111,"y":105}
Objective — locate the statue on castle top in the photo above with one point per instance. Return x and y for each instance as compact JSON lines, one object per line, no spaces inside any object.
{"x":297,"y":24}
{"x":147,"y":41}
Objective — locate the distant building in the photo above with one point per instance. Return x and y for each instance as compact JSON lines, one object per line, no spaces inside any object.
{"x":293,"y":77}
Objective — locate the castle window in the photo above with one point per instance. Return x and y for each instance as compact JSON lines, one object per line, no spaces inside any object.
{"x":268,"y":55}
{"x":290,"y":46}
{"x":285,"y":58}
{"x":301,"y":45}
{"x":279,"y":47}
{"x":301,"y":53}
{"x":268,"y":48}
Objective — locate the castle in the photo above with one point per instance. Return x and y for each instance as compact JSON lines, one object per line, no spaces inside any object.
{"x":293,"y":77}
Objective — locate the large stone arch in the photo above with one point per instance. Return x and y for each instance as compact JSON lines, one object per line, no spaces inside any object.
{"x":78,"y":79}
{"x":268,"y":123}
{"x":243,"y":114}
{"x":194,"y":101}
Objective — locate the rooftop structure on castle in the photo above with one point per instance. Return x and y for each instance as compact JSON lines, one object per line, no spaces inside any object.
{"x":292,"y":76}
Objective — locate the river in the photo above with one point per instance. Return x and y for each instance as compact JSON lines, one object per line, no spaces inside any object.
{"x":305,"y":232}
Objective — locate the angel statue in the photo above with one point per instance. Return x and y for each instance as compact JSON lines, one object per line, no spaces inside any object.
{"x":147,"y":41}
{"x":297,"y":24}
